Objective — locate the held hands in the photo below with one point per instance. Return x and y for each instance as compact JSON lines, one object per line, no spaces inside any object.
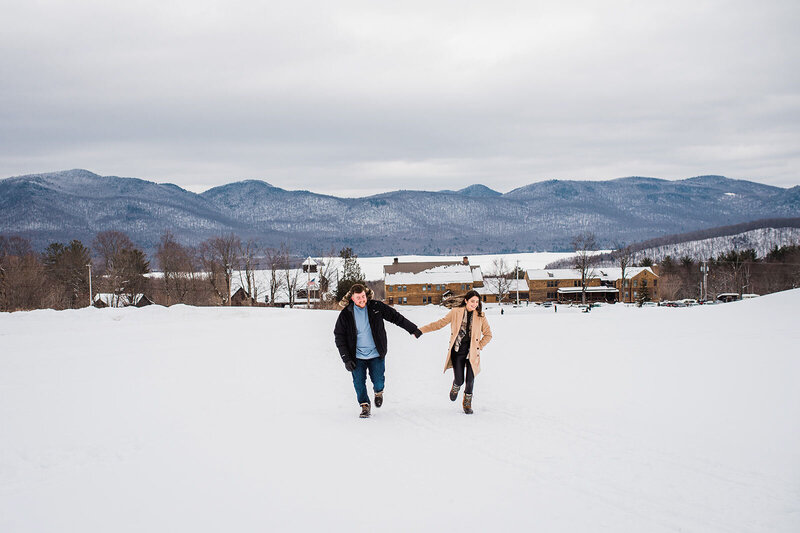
{"x":350,"y":364}
{"x":417,"y":333}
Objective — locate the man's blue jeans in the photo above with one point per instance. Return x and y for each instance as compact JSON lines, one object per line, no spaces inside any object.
{"x":376,"y":367}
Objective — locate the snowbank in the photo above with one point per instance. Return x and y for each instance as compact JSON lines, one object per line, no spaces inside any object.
{"x":217,"y":419}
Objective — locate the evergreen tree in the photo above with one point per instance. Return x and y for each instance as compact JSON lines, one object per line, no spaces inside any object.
{"x":644,"y":296}
{"x":351,"y":273}
{"x":67,"y":269}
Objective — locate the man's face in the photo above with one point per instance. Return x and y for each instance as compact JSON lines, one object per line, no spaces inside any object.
{"x":359,"y":298}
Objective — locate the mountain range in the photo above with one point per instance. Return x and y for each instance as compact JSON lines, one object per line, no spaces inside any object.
{"x":543,"y":216}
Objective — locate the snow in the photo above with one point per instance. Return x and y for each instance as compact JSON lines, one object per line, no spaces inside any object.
{"x":436,"y":275}
{"x":553,"y":273}
{"x":244,"y":419}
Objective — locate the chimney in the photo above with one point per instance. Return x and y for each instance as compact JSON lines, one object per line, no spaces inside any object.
{"x":465,"y":260}
{"x":395,"y":261}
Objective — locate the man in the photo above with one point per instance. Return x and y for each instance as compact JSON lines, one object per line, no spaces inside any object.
{"x":361,"y":340}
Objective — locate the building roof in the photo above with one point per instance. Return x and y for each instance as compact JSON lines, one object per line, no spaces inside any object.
{"x":602,"y":273}
{"x":440,"y":274}
{"x":552,"y":273}
{"x":309,"y":261}
{"x":571,"y":290}
{"x":477,"y":274}
{"x":118,"y":300}
{"x":615,"y":273}
{"x":416,"y":267}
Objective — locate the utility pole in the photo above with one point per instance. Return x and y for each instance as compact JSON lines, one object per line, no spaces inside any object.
{"x":91,"y":300}
{"x":704,"y":287}
{"x":516,"y":272}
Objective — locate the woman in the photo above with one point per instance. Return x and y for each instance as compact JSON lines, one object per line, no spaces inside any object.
{"x":469,"y":334}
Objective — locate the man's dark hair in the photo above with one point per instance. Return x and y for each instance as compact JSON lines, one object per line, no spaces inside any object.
{"x":357,"y":288}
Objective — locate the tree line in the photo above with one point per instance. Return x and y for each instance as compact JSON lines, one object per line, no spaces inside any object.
{"x":735,"y":271}
{"x":61,"y":275}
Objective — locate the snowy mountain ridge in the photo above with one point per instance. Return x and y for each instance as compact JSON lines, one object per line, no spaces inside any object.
{"x":762,"y":240}
{"x":77,"y":204}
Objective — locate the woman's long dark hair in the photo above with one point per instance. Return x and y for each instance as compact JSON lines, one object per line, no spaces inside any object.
{"x":469,"y":295}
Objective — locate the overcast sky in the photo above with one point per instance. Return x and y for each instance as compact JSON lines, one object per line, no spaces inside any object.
{"x":355,"y":98}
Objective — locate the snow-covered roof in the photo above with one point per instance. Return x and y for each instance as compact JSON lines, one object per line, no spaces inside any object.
{"x":553,"y":273}
{"x":603,"y":273}
{"x":437,"y":275}
{"x":117,"y":300}
{"x":615,"y":273}
{"x":309,"y":261}
{"x":565,"y":290}
{"x":477,"y":274}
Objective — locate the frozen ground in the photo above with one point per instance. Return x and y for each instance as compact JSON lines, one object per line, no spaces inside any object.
{"x":184,"y":419}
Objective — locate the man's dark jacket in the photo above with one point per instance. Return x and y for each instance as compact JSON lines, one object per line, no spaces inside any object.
{"x":345,"y":332}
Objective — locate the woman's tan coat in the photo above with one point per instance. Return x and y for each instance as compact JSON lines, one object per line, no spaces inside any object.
{"x":481,"y":335}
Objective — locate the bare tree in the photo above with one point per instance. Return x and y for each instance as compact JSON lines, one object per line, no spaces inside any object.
{"x":290,"y":275}
{"x":109,"y":247}
{"x":670,"y":286}
{"x":23,"y":284}
{"x":624,"y":256}
{"x":328,"y":270}
{"x":584,"y":245}
{"x":275,"y":260}
{"x":498,"y":279}
{"x":219,"y":256}
{"x":178,"y":266}
{"x":248,"y":254}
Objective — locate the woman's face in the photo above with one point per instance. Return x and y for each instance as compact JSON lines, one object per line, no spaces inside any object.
{"x":472,"y":303}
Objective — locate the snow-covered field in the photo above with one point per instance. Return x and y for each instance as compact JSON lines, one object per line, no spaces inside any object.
{"x":216,"y":419}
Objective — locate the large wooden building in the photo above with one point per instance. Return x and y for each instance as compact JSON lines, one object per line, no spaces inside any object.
{"x":510,"y":288}
{"x":421,"y":283}
{"x":603,"y":285}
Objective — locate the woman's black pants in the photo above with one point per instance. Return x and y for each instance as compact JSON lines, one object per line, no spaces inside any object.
{"x":460,"y":364}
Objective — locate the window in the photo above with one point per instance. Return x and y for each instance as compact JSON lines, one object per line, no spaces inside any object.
{"x":655,"y":283}
{"x":635,"y":294}
{"x":388,"y":288}
{"x":424,"y":288}
{"x":405,"y":300}
{"x":644,"y":283}
{"x":405,"y":288}
{"x":391,"y":301}
{"x":635,"y":284}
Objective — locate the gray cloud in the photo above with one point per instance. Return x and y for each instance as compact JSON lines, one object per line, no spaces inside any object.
{"x":361,"y":97}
